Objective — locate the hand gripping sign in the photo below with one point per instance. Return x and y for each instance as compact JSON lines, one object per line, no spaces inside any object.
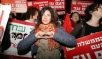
{"x":4,"y":15}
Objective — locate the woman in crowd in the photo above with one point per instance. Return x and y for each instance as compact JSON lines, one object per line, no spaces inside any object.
{"x":92,"y":23}
{"x":48,"y":36}
{"x":75,"y":18}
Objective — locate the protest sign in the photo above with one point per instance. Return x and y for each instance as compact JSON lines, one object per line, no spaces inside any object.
{"x":4,"y":15}
{"x":79,"y":6}
{"x":88,"y":47}
{"x":58,"y":5}
{"x":18,"y":6}
{"x":19,"y":30}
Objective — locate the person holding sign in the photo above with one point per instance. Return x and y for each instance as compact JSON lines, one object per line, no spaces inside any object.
{"x":48,"y":36}
{"x":92,"y":22}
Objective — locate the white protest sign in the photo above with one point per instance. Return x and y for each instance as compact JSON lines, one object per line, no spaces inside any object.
{"x":19,"y":30}
{"x":4,"y":15}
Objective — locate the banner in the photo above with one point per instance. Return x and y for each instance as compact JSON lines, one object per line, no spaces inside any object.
{"x":4,"y":15}
{"x":59,"y":5}
{"x":19,"y":30}
{"x":19,"y":6}
{"x":88,"y":47}
{"x":79,"y":6}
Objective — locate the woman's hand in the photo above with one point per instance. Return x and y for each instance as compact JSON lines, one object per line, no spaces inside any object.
{"x":39,"y":34}
{"x":50,"y":34}
{"x":45,"y":35}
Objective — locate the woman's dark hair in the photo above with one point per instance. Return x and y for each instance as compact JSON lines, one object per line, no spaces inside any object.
{"x":75,"y":13}
{"x":31,"y":11}
{"x":91,"y":8}
{"x":54,"y":18}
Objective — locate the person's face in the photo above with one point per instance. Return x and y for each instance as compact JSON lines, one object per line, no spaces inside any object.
{"x":35,"y":16}
{"x":98,"y":12}
{"x":46,"y":17}
{"x":75,"y":17}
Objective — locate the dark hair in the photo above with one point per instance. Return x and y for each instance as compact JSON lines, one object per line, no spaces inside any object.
{"x":54,"y":18}
{"x":31,"y":11}
{"x":91,"y":8}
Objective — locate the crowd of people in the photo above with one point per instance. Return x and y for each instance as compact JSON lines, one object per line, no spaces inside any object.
{"x":48,"y":36}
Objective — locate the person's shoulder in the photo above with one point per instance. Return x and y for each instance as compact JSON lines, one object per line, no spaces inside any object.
{"x":59,"y":28}
{"x":80,"y":25}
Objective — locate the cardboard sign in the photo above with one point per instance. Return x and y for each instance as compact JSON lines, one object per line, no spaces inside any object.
{"x":88,"y":47}
{"x":19,"y":30}
{"x":4,"y":15}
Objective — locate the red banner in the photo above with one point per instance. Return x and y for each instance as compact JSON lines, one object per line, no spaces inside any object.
{"x":79,"y":6}
{"x":59,"y":5}
{"x":88,"y":47}
{"x":19,"y":6}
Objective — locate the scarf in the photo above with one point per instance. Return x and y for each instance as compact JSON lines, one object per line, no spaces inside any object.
{"x":52,"y":44}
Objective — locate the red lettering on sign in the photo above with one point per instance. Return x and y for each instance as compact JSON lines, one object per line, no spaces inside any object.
{"x":1,"y":15}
